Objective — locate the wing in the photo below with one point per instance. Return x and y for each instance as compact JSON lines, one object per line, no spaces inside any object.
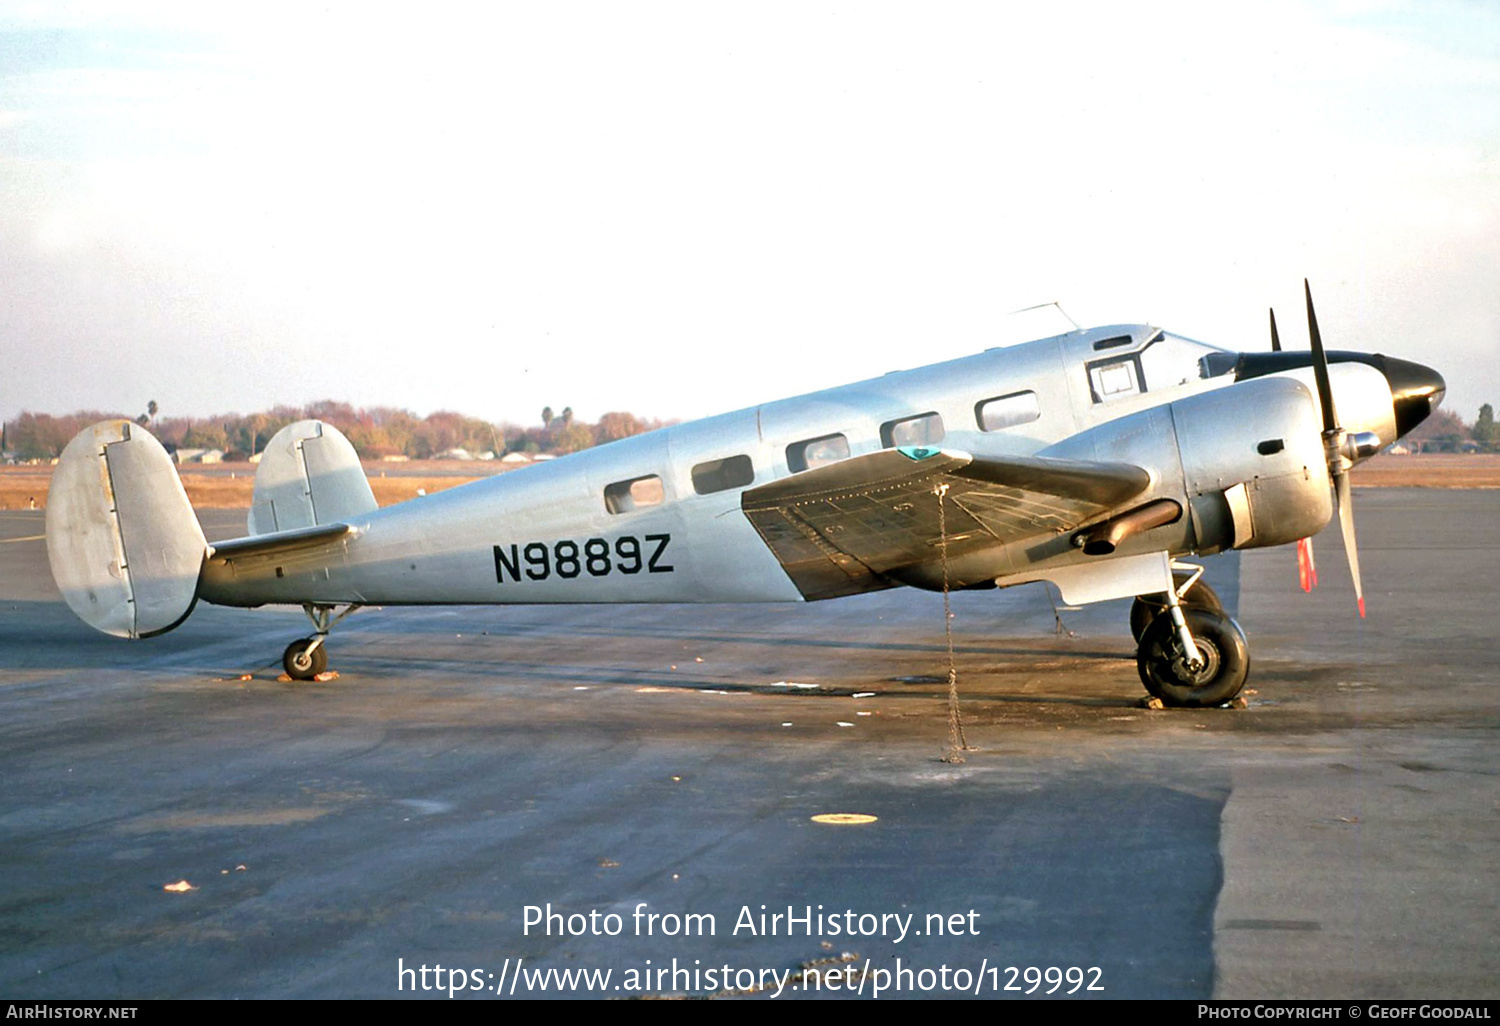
{"x":845,"y":528}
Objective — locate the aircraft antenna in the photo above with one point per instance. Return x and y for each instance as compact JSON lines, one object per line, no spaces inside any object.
{"x":1040,"y":306}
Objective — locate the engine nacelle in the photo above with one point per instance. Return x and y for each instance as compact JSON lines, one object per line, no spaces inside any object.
{"x":1246,"y":461}
{"x":1253,"y":464}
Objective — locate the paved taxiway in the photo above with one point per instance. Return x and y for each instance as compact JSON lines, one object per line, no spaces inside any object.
{"x":1337,"y":838}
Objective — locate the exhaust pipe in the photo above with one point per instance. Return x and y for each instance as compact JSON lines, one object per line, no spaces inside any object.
{"x":1103,"y":539}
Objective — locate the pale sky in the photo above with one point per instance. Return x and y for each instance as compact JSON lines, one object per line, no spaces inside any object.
{"x":680,"y":209}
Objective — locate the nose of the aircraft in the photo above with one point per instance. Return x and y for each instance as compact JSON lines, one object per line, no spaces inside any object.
{"x":1416,"y":391}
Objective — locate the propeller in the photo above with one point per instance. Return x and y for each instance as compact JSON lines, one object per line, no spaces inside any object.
{"x":1307,"y":567}
{"x":1337,"y":444}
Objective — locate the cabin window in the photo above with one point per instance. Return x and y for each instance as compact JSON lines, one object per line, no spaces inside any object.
{"x":636,"y":493}
{"x":721,"y":475}
{"x":816,"y":452}
{"x":1112,"y":343}
{"x":1111,"y":379}
{"x":1007,"y":411}
{"x":926,"y":429}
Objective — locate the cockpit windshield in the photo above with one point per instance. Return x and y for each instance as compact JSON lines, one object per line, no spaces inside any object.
{"x":1163,"y":362}
{"x":1169,"y":360}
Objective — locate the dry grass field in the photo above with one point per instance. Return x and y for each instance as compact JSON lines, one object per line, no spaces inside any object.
{"x":228,"y":486}
{"x":1436,"y":470}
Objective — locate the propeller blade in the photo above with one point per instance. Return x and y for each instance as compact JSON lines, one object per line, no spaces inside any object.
{"x":1307,"y":568}
{"x":1320,"y":364}
{"x":1275,"y":338}
{"x":1346,"y":522}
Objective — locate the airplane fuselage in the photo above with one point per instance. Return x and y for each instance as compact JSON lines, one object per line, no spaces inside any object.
{"x":657,"y":517}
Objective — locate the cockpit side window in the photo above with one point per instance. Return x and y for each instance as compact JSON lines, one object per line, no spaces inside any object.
{"x":1116,"y":378}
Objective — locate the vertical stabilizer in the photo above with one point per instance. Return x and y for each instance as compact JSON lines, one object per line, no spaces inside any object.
{"x":124,"y":545}
{"x":309,"y":475}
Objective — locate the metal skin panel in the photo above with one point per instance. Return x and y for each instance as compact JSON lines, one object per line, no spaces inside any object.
{"x":309,"y":474}
{"x":122,"y":539}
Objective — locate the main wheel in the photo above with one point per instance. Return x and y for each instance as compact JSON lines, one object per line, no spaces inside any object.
{"x":1148,"y":607}
{"x":1163,"y":663}
{"x":302,"y":662}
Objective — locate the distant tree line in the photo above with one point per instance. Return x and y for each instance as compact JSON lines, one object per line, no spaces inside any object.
{"x":1445,"y":431}
{"x":375,"y":432}
{"x":384,"y":431}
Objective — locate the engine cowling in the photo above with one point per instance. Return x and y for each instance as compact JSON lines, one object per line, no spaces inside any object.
{"x":1253,"y":464}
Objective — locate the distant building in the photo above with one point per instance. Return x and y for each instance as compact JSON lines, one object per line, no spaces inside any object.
{"x":198,"y":456}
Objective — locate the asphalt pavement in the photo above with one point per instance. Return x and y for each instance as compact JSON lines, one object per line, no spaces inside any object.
{"x":473,"y":769}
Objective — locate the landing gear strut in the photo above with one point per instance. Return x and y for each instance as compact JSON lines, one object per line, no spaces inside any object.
{"x":305,"y":659}
{"x":1191,"y":654}
{"x":1193,"y":593}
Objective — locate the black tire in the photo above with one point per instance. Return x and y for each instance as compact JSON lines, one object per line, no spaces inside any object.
{"x":1162,"y":663}
{"x":300,"y":664}
{"x":1148,"y":607}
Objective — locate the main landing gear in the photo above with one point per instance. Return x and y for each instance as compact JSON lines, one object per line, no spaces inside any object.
{"x":1191,"y":653}
{"x":305,"y":659}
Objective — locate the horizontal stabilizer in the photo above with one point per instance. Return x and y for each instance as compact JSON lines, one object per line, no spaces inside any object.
{"x":279,"y":542}
{"x":840,"y":529}
{"x":309,"y":474}
{"x":125,"y":547}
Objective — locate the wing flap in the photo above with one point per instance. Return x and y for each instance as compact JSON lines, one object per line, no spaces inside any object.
{"x":842,"y":529}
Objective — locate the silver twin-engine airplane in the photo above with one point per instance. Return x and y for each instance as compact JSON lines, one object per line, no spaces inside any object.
{"x":1092,"y":460}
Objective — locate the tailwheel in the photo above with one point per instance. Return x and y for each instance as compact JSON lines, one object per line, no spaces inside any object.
{"x":1223,"y":665}
{"x":1147,"y":608}
{"x":305,"y":659}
